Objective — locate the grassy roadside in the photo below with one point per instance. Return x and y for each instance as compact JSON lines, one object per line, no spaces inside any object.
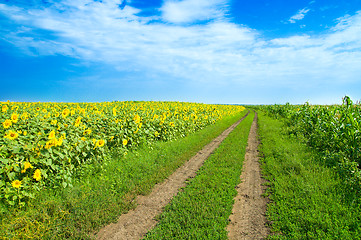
{"x":202,"y":209}
{"x":307,"y":200}
{"x":104,"y":192}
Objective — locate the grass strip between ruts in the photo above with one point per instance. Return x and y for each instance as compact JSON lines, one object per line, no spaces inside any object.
{"x":306,"y":196}
{"x":104,"y":192}
{"x":201,"y":210}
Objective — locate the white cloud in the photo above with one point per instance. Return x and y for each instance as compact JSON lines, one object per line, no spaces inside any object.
{"x":188,"y":11}
{"x":299,"y":15}
{"x":219,"y":52}
{"x":346,"y":35}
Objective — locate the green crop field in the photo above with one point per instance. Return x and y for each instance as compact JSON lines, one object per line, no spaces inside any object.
{"x":68,"y":170}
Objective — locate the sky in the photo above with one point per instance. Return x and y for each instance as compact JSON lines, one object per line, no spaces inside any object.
{"x":207,"y":51}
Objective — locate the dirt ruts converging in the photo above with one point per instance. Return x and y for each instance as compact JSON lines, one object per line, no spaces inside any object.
{"x":248,"y":220}
{"x":136,"y":223}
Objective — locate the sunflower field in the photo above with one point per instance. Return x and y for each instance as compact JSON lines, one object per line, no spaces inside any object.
{"x":43,"y":145}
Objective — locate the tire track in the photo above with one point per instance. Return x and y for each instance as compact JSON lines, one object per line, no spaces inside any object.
{"x":136,"y":223}
{"x":248,"y":220}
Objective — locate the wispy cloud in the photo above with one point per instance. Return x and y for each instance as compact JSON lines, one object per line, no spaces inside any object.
{"x":218,"y":52}
{"x":299,"y":15}
{"x":188,"y":11}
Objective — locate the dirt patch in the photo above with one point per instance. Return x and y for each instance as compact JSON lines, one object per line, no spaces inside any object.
{"x":136,"y":223}
{"x":248,"y":220}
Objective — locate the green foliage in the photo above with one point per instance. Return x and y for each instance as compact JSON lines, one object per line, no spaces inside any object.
{"x":334,"y":131}
{"x":307,"y":198}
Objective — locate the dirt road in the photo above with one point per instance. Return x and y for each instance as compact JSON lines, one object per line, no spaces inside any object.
{"x":136,"y":223}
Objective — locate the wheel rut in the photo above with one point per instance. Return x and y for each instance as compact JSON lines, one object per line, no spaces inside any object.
{"x":137,"y":222}
{"x":248,"y":220}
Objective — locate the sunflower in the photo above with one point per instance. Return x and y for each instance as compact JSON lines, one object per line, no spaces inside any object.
{"x":51,"y":135}
{"x":88,"y":131}
{"x":12,"y":135}
{"x":59,"y":141}
{"x":7,"y":123}
{"x":77,"y":122}
{"x":100,"y":143}
{"x":14,"y":117}
{"x":137,"y":119}
{"x":16,"y":184}
{"x":37,"y":175}
{"x":51,"y":143}
{"x":125,"y":142}
{"x":26,"y":166}
{"x":65,"y":113}
{"x":4,"y":108}
{"x":24,"y":116}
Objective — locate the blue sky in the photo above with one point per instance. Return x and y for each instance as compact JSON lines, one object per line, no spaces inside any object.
{"x":210,"y":51}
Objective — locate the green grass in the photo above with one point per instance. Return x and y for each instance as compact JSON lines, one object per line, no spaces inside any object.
{"x":104,"y":192}
{"x":201,"y":210}
{"x":307,"y":198}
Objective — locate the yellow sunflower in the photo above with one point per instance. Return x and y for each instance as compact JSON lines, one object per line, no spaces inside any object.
{"x":51,"y":135}
{"x":65,"y":113}
{"x":59,"y":142}
{"x":27,"y":165}
{"x":51,"y":143}
{"x":12,"y":135}
{"x":4,"y":108}
{"x":100,"y":143}
{"x":77,"y":122}
{"x":137,"y":119}
{"x":16,"y":184}
{"x":7,"y":123}
{"x":88,"y":131}
{"x":14,"y":117}
{"x":37,"y":175}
